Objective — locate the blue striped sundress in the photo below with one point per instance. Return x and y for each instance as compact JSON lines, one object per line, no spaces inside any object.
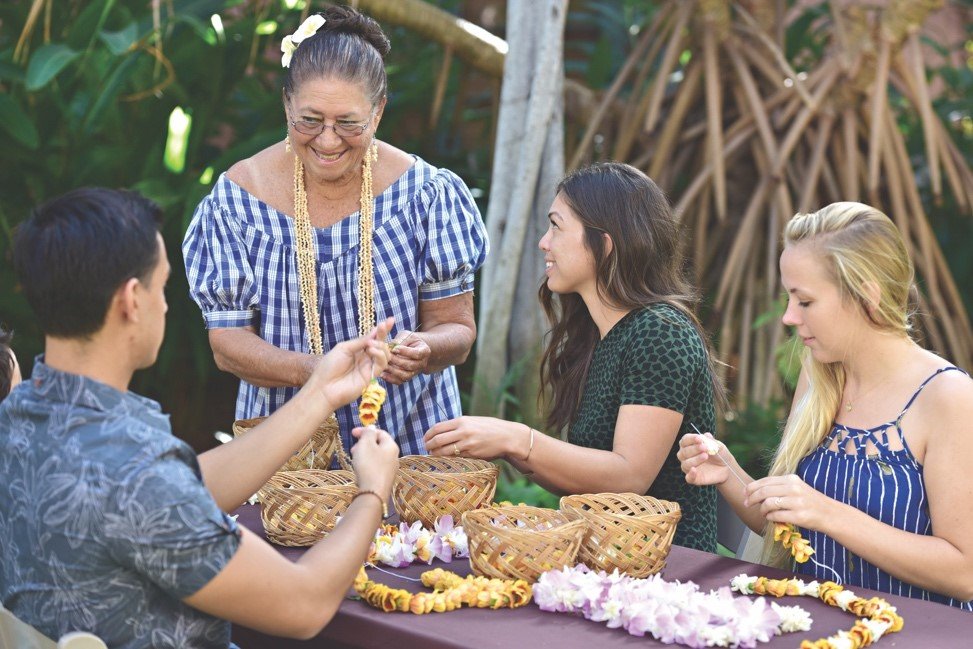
{"x":885,"y":484}
{"x":428,"y":242}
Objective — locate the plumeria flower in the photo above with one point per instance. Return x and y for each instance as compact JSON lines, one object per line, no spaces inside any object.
{"x":289,"y":44}
{"x":288,"y":47}
{"x":308,"y":28}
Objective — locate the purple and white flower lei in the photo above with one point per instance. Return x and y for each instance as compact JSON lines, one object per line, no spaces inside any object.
{"x":671,"y":611}
{"x":414,"y":542}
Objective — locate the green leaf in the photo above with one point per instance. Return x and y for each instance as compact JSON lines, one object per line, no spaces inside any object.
{"x":119,"y":42}
{"x":47,"y":63}
{"x":109,"y":91}
{"x":11,"y":72}
{"x":87,"y":26}
{"x":15,"y":120}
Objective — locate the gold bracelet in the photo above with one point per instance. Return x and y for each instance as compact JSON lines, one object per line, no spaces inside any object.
{"x":385,"y":507}
{"x":531,"y":447}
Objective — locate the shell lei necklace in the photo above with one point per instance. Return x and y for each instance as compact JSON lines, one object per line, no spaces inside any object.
{"x":307,"y":259}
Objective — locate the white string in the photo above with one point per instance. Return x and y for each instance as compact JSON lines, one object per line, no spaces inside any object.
{"x":837,"y":577}
{"x":727,"y":464}
{"x":389,"y":572}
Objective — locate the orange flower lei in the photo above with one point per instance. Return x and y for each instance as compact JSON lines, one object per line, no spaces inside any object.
{"x":372,"y":398}
{"x":878,"y":617}
{"x":450,"y":591}
{"x":791,"y":539}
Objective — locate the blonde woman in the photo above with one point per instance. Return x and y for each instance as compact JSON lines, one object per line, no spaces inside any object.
{"x":874,"y":463}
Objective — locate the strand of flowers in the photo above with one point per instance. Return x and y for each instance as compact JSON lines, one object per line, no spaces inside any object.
{"x":785,"y":533}
{"x":878,"y":617}
{"x":401,"y":546}
{"x":450,"y":591}
{"x":671,"y":611}
{"x":791,"y":539}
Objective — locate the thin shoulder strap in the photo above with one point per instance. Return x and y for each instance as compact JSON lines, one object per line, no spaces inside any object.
{"x":923,"y":385}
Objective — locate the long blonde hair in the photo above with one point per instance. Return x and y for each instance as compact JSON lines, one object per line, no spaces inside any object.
{"x":860,"y":247}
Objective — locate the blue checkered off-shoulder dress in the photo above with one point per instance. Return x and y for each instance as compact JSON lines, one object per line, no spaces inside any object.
{"x":429,"y":240}
{"x":872,"y":471}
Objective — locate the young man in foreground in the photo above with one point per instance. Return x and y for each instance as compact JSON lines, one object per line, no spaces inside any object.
{"x":112,"y":525}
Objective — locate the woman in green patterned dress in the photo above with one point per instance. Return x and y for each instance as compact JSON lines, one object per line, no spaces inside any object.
{"x":627,"y":364}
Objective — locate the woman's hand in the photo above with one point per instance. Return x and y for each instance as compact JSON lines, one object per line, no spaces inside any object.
{"x":342,"y":373}
{"x":699,"y":463}
{"x":409,"y":358}
{"x":375,"y":457}
{"x":788,"y":499}
{"x":485,"y":438}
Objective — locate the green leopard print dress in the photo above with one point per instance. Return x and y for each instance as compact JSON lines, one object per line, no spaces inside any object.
{"x":654,"y":357}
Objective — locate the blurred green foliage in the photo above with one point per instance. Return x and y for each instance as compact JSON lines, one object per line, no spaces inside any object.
{"x":106,"y":94}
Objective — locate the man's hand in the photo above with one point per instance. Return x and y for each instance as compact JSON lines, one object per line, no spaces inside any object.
{"x":375,"y":457}
{"x":342,"y":373}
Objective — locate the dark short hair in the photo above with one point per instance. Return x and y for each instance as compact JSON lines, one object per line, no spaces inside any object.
{"x":350,"y":46}
{"x":74,"y":252}
{"x":6,"y":363}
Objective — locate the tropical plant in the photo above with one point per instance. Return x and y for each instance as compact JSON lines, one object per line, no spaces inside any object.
{"x":162,"y":97}
{"x":748,"y":112}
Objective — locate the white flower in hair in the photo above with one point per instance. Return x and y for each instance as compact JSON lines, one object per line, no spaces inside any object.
{"x":307,"y":29}
{"x":287,"y":47}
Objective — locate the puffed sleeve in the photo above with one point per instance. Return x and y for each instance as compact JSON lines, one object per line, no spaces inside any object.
{"x":221,"y":279}
{"x":163,"y":524}
{"x":456,"y":244}
{"x":665,"y":356}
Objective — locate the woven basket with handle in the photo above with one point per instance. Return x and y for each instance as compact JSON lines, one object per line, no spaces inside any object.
{"x":629,"y":532}
{"x":520,"y":541}
{"x":298,"y":508}
{"x":427,"y":487}
{"x":317,"y":453}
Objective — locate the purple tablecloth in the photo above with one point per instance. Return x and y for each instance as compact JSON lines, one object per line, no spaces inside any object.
{"x":358,"y":625}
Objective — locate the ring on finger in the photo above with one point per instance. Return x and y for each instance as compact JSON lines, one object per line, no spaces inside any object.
{"x":777,"y":504}
{"x":456,"y":450}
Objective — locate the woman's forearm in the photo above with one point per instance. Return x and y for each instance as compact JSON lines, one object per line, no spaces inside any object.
{"x":245,"y":354}
{"x":929,"y":562}
{"x":565,"y":468}
{"x":449,"y":344}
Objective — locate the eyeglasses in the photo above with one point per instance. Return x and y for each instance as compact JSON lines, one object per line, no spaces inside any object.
{"x":341,"y":129}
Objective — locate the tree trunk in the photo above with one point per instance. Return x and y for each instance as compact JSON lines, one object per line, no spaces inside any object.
{"x":528,"y":159}
{"x":472,"y":44}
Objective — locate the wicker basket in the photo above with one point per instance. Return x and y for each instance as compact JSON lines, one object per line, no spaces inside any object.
{"x":625,"y":531}
{"x":427,"y":487}
{"x":521,"y":542}
{"x":317,"y":453}
{"x":301,"y":507}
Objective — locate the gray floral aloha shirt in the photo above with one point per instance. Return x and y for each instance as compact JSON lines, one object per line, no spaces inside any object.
{"x":105,"y":524}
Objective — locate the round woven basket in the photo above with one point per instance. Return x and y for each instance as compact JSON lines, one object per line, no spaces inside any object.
{"x":629,"y":532}
{"x":317,"y":453}
{"x":521,"y":542}
{"x":427,"y":487}
{"x":298,"y":508}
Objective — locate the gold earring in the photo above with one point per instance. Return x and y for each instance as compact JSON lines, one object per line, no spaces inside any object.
{"x":287,"y":143}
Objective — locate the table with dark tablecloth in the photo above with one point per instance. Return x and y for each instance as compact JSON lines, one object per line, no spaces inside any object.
{"x":356,"y":624}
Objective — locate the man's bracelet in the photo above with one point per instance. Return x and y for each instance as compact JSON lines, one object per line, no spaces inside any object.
{"x":385,"y":507}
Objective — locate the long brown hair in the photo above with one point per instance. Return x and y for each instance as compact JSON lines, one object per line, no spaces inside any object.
{"x":644,"y":267}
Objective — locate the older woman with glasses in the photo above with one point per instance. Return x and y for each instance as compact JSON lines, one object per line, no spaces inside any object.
{"x":312,"y":240}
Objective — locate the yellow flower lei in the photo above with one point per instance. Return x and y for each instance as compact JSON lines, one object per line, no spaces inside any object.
{"x":791,"y":539}
{"x":878,"y":616}
{"x":372,"y":399}
{"x":450,"y":591}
